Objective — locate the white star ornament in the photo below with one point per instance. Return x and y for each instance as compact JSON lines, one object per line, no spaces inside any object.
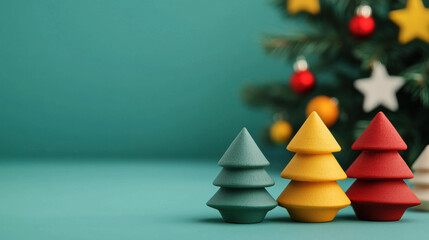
{"x":379,"y":89}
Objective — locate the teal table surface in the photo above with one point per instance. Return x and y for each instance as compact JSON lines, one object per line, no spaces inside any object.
{"x":154,"y":199}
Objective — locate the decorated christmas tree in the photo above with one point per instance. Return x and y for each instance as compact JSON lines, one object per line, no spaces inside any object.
{"x":421,"y":179}
{"x":313,"y":195}
{"x":352,"y":59}
{"x":379,"y":193}
{"x":242,"y":197}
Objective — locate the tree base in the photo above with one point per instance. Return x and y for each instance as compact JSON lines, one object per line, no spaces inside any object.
{"x":243,"y":216}
{"x":379,"y":211}
{"x":311,"y":214}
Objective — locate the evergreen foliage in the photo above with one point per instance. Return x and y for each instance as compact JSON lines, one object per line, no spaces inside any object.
{"x":333,"y":54}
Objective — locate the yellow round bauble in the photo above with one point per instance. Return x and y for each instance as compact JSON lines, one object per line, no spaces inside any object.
{"x":326,"y":108}
{"x":280,"y":131}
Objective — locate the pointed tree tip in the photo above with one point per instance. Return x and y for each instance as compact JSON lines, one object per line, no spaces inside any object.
{"x":314,"y":113}
{"x":380,"y":134}
{"x":243,"y":153}
{"x":244,"y":132}
{"x":313,"y":137}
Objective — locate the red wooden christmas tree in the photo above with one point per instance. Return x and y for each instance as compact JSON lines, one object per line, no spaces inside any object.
{"x":379,"y":193}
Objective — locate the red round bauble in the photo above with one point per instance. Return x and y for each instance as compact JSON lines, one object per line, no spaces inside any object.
{"x":302,"y":82}
{"x":361,"y":26}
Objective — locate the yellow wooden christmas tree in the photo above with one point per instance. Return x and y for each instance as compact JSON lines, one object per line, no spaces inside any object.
{"x":313,"y":195}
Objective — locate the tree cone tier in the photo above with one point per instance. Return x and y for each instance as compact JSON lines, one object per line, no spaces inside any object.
{"x":244,"y":216}
{"x":313,"y":138}
{"x":313,"y":201}
{"x":380,"y":135}
{"x":313,"y":194}
{"x":243,"y":153}
{"x":242,"y":205}
{"x":243,"y":178}
{"x":379,"y":165}
{"x":422,"y":191}
{"x":313,"y":168}
{"x":379,"y":211}
{"x":382,"y":191}
{"x":422,"y":162}
{"x":382,"y":200}
{"x":421,"y":179}
{"x":312,"y":214}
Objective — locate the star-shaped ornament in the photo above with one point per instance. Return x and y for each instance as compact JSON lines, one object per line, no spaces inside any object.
{"x":413,"y":21}
{"x":311,"y":6}
{"x":379,"y":89}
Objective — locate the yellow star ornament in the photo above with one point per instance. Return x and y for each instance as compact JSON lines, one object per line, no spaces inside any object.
{"x":295,"y":6}
{"x":413,"y":21}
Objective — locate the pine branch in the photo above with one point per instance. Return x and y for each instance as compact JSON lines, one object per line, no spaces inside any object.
{"x":418,"y":82}
{"x":326,"y":46}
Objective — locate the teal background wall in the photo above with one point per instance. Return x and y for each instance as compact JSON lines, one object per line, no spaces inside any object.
{"x":145,"y":78}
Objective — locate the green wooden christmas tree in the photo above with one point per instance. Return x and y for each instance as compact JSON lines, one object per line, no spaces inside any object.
{"x":242,"y":197}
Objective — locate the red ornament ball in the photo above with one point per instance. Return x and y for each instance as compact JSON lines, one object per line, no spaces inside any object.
{"x":361,"y":27}
{"x":302,"y":82}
